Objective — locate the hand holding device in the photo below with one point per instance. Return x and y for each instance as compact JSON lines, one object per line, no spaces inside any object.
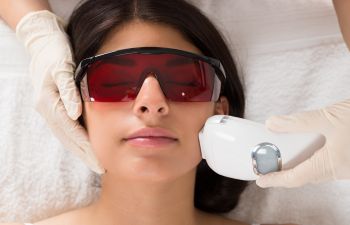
{"x":51,"y":69}
{"x":243,"y":149}
{"x":331,"y":162}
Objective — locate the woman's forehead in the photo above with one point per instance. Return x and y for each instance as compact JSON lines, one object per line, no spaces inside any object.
{"x":146,"y":34}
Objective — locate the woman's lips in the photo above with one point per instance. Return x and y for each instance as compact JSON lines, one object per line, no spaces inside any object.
{"x":151,"y":137}
{"x":151,"y":142}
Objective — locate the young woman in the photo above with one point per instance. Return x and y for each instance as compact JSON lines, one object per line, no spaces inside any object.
{"x":151,"y":87}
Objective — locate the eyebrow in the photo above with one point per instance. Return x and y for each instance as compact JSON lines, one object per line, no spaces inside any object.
{"x":179,"y":61}
{"x":121,"y":61}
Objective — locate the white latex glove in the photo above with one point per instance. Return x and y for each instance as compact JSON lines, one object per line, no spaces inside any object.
{"x":51,"y":70}
{"x":331,"y":162}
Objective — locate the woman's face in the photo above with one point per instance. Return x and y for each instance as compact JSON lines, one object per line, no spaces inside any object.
{"x":110,"y":124}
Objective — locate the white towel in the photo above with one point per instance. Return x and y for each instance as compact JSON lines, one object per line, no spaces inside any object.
{"x":292,"y":58}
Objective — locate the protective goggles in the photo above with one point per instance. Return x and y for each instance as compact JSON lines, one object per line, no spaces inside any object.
{"x":118,"y":76}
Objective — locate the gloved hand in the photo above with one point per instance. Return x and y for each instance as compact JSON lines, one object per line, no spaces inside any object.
{"x":331,"y":162}
{"x":51,"y":70}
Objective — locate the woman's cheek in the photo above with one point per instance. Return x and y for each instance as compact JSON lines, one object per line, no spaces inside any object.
{"x":100,"y":142}
{"x":100,"y":131}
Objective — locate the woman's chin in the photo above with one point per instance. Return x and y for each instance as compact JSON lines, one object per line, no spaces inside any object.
{"x":150,"y":171}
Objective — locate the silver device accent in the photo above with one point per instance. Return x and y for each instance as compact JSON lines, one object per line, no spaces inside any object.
{"x":266,"y":158}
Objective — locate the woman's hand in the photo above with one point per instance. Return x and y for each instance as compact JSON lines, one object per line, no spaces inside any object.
{"x":331,"y":162}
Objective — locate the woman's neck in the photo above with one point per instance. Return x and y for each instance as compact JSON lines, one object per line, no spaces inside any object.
{"x":125,"y":202}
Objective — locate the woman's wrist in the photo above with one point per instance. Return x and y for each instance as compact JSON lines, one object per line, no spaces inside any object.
{"x":12,"y":11}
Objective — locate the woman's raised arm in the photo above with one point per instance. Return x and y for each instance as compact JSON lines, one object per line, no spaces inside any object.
{"x":12,"y":11}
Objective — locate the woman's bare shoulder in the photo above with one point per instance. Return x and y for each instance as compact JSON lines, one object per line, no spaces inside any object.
{"x":71,"y":217}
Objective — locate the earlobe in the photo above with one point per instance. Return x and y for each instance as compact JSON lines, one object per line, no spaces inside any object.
{"x":222,"y":106}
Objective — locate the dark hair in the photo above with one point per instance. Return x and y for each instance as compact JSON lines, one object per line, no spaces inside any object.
{"x":92,"y":21}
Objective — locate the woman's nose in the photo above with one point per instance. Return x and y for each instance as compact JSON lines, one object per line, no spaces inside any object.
{"x":150,"y":100}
